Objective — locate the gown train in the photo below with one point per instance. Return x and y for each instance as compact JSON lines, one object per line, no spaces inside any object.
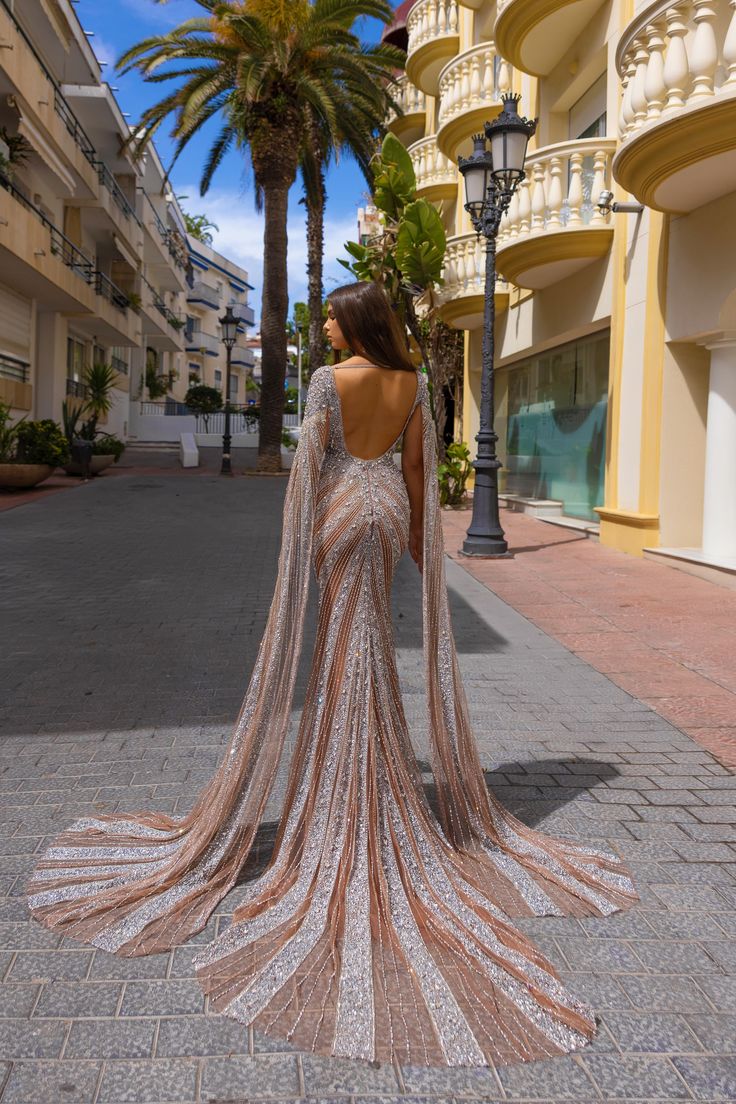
{"x":377,"y":930}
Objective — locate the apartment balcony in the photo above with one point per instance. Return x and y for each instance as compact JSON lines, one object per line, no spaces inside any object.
{"x":677,"y":63}
{"x":202,"y":294}
{"x":437,"y":178}
{"x":463,"y":292}
{"x":408,"y":127}
{"x":205,"y":344}
{"x":470,"y":87}
{"x":162,"y":328}
{"x":40,"y":262}
{"x":243,"y":357}
{"x":432,"y":27}
{"x":163,"y":247}
{"x":535,"y":34}
{"x":553,"y":227}
{"x":45,"y":118}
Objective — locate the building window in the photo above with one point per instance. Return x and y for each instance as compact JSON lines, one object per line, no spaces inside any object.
{"x":119,"y":360}
{"x":587,"y":116}
{"x":233,"y":387}
{"x":98,"y":355}
{"x":74,"y":359}
{"x":551,"y":424}
{"x":218,"y":378}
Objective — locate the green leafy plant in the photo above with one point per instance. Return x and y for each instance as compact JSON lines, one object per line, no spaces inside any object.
{"x":99,"y":381}
{"x":42,"y":442}
{"x":453,"y":474}
{"x":8,"y":434}
{"x":287,"y":440}
{"x":177,"y":323}
{"x":158,"y":385}
{"x":107,"y":444}
{"x":204,"y":400}
{"x":135,"y":301}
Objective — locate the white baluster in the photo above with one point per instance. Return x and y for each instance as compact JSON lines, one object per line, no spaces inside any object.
{"x":478,"y":263}
{"x":626,"y":117}
{"x":600,"y":164}
{"x":703,"y":51}
{"x":654,"y":86}
{"x":461,"y":269}
{"x":575,"y":195}
{"x":729,"y":47}
{"x":475,"y":83}
{"x":452,"y":20}
{"x":523,"y":201}
{"x":441,"y":24}
{"x":465,"y":87}
{"x":504,"y":76}
{"x":638,"y":98}
{"x":539,"y":199}
{"x":488,"y":76}
{"x":676,"y":69}
{"x":554,"y":201}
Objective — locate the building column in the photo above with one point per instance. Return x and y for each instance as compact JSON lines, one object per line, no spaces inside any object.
{"x":719,"y":496}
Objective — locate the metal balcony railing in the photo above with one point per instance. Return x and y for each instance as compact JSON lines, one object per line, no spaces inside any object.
{"x":106,"y":178}
{"x":76,"y":388}
{"x":70,"y":254}
{"x":166,"y":234}
{"x":119,"y":365}
{"x":13,"y":369}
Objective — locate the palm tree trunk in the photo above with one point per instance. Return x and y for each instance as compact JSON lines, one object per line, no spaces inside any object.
{"x":274,"y":310}
{"x":315,"y":253}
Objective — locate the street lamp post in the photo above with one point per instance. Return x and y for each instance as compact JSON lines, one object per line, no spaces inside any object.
{"x":229,"y":323}
{"x":491,"y":178}
{"x":298,"y":373}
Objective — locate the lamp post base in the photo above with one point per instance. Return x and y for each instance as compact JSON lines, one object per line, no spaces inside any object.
{"x":485,"y":549}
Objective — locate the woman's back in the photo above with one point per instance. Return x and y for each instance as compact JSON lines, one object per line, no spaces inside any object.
{"x":375,"y":404}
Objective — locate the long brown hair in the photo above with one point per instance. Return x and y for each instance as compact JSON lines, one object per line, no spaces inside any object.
{"x":365,"y":315}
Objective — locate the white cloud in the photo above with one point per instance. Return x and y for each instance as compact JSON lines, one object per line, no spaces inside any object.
{"x":106,"y":54}
{"x":167,"y":14}
{"x":240,"y":237}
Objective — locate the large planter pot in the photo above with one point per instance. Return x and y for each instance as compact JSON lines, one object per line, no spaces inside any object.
{"x":96,"y":465}
{"x":24,"y":475}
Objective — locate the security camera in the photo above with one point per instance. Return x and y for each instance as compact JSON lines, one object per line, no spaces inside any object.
{"x":605,"y":203}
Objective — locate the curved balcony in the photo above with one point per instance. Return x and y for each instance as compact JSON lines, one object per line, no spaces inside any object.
{"x":553,"y":227}
{"x":463,"y":292}
{"x":437,"y":178}
{"x":677,"y":125}
{"x":470,"y":87}
{"x":535,"y":34}
{"x":410,"y":126}
{"x":433,"y":40}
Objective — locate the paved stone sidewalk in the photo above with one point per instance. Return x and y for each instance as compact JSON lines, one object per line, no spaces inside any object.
{"x":132,"y":613}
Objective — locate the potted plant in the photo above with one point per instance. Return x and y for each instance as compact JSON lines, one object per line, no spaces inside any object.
{"x":99,"y":380}
{"x":29,"y":451}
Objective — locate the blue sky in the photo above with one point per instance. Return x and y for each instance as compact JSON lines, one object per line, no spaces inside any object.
{"x":118,"y":24}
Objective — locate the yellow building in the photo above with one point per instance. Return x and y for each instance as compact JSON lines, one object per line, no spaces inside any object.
{"x":615,"y":332}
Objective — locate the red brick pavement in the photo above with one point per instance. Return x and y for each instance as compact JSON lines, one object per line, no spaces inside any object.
{"x":665,"y":637}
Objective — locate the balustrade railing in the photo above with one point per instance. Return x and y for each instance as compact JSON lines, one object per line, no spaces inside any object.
{"x":431,"y":167}
{"x":430,"y":19}
{"x":561,"y":189}
{"x":410,"y":99}
{"x":674,"y":55}
{"x":476,"y":78}
{"x":464,"y":269}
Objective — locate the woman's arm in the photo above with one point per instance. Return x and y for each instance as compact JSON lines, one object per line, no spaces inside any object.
{"x":412,"y":468}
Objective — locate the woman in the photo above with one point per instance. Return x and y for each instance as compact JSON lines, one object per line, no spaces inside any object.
{"x":377,"y":930}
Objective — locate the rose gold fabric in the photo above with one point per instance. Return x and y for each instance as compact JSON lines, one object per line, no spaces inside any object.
{"x":376,"y":930}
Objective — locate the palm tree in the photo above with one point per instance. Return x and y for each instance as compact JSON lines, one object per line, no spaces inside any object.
{"x":258,"y":66}
{"x":360,"y":132}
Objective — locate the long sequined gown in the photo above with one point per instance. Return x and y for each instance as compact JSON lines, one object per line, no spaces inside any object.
{"x":378,"y":930}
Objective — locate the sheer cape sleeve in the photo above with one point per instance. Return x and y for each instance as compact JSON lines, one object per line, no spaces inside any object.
{"x":141,"y":882}
{"x":559,"y":876}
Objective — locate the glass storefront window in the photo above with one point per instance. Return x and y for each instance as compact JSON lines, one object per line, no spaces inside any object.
{"x":551,"y":425}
